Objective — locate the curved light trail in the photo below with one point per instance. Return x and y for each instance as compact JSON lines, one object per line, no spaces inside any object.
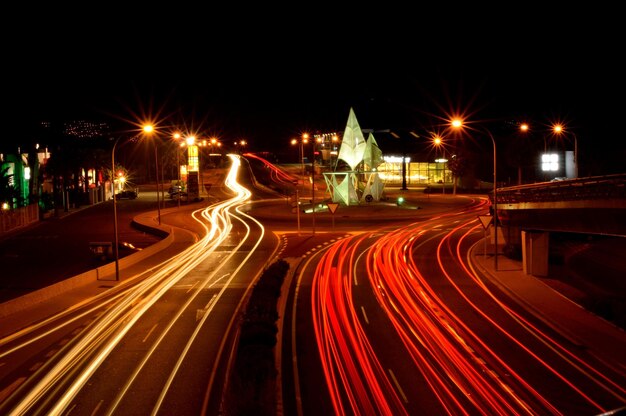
{"x":462,"y":369}
{"x":277,"y":174}
{"x":60,"y":382}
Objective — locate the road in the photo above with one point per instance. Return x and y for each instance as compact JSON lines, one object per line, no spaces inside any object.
{"x":160,"y":344}
{"x":396,"y":321}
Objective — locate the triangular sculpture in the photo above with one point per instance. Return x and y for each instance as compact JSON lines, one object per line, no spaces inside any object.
{"x":341,"y":187}
{"x":372,"y":156}
{"x":374,"y":187}
{"x":357,"y":185}
{"x":353,"y":143}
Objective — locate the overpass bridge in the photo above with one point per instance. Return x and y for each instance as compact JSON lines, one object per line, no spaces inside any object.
{"x":528,"y":213}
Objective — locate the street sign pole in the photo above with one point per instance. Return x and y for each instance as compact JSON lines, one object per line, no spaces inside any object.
{"x":298,"y":210}
{"x":485,"y":221}
{"x":332,"y":207}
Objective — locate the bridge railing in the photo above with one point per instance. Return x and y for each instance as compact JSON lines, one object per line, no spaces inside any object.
{"x":590,"y":188}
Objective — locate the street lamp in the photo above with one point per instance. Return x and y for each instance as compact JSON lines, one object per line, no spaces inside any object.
{"x":558,"y":129}
{"x":149,"y":129}
{"x":457,"y":124}
{"x":438,"y":142}
{"x":176,"y":138}
{"x":304,"y":140}
{"x":116,"y":252}
{"x":240,"y":145}
{"x":318,"y":140}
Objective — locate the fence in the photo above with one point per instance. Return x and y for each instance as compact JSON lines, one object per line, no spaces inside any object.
{"x":596,"y":187}
{"x":17,"y":218}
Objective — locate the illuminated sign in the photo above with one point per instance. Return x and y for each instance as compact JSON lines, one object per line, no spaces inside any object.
{"x":550,"y":162}
{"x":396,"y":159}
{"x":192,"y":152}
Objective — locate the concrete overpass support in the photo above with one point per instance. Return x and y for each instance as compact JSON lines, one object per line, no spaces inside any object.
{"x":535,"y":252}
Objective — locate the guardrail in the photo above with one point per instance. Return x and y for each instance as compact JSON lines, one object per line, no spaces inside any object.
{"x":17,"y":218}
{"x":591,"y":188}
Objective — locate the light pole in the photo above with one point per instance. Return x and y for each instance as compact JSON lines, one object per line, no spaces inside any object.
{"x":524,"y":129}
{"x":313,"y":181}
{"x":116,"y":253}
{"x":240,"y":146}
{"x":178,"y":183}
{"x":458,"y":123}
{"x":149,"y":129}
{"x":438,"y":142}
{"x":558,"y":130}
{"x":304,"y":140}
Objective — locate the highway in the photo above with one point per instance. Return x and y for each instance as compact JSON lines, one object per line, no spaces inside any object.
{"x":397,"y":321}
{"x":384,"y":313}
{"x":158,"y":345}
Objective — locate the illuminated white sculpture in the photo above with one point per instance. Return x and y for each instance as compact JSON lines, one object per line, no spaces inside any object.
{"x":361,"y":183}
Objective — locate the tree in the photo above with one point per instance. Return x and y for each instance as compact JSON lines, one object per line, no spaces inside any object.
{"x":8,"y":193}
{"x":457,"y":164}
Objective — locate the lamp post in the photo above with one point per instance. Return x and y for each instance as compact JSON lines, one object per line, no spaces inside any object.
{"x":438,"y":142}
{"x":523,"y":128}
{"x":303,"y":140}
{"x":457,"y":124}
{"x":240,"y":146}
{"x":558,"y":129}
{"x":149,"y":129}
{"x":176,"y":138}
{"x":116,"y":252}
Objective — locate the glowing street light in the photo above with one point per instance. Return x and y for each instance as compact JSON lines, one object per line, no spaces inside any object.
{"x":438,"y":142}
{"x":458,"y":124}
{"x":116,"y":252}
{"x":304,"y":140}
{"x":148,"y":129}
{"x":558,"y":129}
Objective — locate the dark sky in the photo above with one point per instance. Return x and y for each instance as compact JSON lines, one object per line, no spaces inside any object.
{"x":269,"y":99}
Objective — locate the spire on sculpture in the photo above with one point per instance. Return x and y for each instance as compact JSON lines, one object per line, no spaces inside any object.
{"x":353,"y":143}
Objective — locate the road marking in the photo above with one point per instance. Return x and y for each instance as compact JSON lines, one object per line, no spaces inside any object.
{"x":364,"y":315}
{"x":192,"y":286}
{"x":149,"y":332}
{"x":395,"y":381}
{"x":11,"y":388}
{"x":36,"y":366}
{"x":95,"y":411}
{"x":201,"y":312}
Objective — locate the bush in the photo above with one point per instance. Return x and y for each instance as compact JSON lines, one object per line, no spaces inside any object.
{"x":252,"y":387}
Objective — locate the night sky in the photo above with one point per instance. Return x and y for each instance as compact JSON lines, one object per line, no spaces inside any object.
{"x":269,"y":102}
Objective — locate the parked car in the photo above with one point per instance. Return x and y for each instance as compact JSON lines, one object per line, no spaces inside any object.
{"x":126,"y":194}
{"x":176,"y":191}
